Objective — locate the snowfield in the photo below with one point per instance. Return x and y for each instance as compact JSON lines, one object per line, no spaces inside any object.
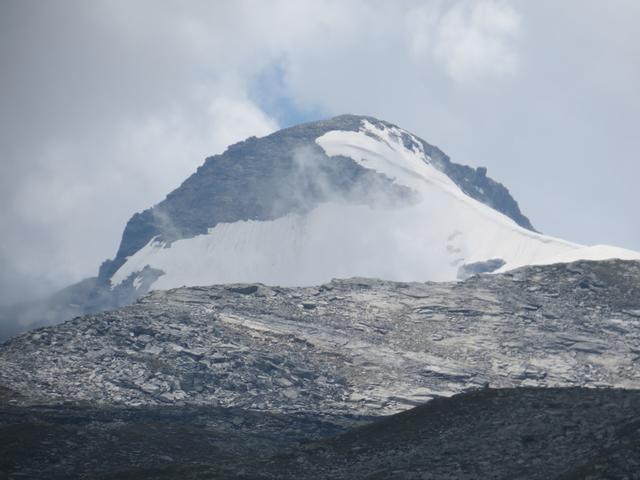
{"x":426,"y":240}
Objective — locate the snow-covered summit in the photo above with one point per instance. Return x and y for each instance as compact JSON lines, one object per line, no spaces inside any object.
{"x":351,"y":196}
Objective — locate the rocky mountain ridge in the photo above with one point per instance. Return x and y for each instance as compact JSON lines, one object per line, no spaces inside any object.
{"x":358,"y":346}
{"x":260,"y":179}
{"x":249,"y":381}
{"x":347,"y":196}
{"x":256,"y":179}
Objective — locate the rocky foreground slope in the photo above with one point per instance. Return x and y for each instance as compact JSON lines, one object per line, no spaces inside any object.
{"x":356,"y":346}
{"x":524,"y":433}
{"x":250,"y":381}
{"x":507,"y":434}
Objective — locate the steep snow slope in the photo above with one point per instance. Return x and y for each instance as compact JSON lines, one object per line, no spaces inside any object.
{"x":429,"y":236}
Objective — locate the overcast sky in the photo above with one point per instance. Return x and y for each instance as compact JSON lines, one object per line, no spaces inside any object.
{"x":106,"y":106}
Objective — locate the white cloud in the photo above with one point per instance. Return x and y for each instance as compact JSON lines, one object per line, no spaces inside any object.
{"x":234,"y":120}
{"x":471,"y":40}
{"x":125,"y":102}
{"x":80,"y":194}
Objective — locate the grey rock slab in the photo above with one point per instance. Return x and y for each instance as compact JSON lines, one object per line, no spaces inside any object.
{"x":369,"y":347}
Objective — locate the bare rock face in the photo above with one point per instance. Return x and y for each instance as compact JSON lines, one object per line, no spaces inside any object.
{"x":357,"y":346}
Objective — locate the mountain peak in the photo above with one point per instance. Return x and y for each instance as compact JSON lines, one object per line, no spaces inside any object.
{"x":259,"y":170}
{"x":347,"y":196}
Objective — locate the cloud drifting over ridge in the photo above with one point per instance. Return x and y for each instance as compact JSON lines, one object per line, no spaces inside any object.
{"x":108,"y":105}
